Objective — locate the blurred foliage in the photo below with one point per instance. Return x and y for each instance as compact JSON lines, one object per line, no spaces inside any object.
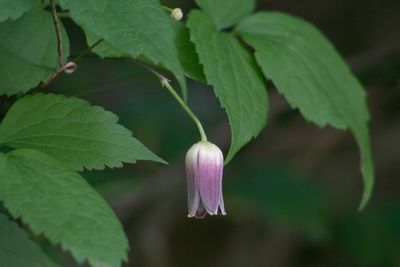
{"x":284,"y":197}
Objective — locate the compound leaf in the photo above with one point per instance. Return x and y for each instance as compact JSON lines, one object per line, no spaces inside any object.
{"x":136,"y":28}
{"x":58,"y":203}
{"x":235,"y":77}
{"x":72,"y":131}
{"x":227,"y":13}
{"x":314,"y":78}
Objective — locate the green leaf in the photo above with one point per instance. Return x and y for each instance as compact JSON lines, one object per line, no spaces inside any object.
{"x":13,"y":9}
{"x":231,"y":70}
{"x":28,"y":51}
{"x":138,"y":27}
{"x":187,"y":53}
{"x":306,"y":68}
{"x":72,"y":131}
{"x":58,"y":203}
{"x":227,"y":13}
{"x":104,"y":49}
{"x":17,"y":249}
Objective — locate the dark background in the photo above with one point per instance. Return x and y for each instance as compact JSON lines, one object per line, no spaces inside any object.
{"x":292,"y":194}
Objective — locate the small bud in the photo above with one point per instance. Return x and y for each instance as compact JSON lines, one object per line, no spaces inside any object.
{"x":204,"y":167}
{"x":177,"y":14}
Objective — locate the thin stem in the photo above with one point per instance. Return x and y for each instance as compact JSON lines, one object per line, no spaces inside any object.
{"x":68,"y":68}
{"x":88,"y":50}
{"x":165,"y":83}
{"x":58,"y":32}
{"x":168,"y":9}
{"x":107,"y":85}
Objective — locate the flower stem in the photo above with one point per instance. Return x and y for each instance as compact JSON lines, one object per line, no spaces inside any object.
{"x":165,"y":83}
{"x":168,"y":9}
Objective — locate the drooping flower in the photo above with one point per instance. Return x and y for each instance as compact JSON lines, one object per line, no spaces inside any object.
{"x":204,"y":168}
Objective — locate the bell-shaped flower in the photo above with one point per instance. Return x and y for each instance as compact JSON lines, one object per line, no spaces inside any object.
{"x":204,"y":168}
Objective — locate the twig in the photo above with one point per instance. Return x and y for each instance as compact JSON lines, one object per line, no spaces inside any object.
{"x":106,"y":86}
{"x":89,"y":49}
{"x":68,"y":68}
{"x":58,"y":32}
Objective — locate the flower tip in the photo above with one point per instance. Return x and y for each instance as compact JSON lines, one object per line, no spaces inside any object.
{"x":177,"y":14}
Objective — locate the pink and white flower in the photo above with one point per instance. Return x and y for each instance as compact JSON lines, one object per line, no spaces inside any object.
{"x":204,"y":168}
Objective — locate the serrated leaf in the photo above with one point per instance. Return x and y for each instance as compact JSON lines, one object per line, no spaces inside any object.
{"x":231,"y":70}
{"x":103,"y":49}
{"x":138,"y":27}
{"x":17,"y":249}
{"x":187,"y":53}
{"x":13,"y":9}
{"x":227,"y":13}
{"x":28,"y":51}
{"x":72,"y":131}
{"x":55,"y":201}
{"x":306,"y":68}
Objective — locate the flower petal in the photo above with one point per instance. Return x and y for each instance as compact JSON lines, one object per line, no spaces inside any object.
{"x":221,"y":204}
{"x":193,"y":196}
{"x":209,"y":169}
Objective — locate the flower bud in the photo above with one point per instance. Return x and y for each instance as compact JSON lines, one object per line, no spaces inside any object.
{"x":204,"y":167}
{"x":177,"y":14}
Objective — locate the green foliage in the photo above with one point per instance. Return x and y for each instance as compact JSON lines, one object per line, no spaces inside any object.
{"x":72,"y":131}
{"x":137,"y":28}
{"x":16,"y":248}
{"x":187,"y":53}
{"x":227,"y":13}
{"x":54,"y":135}
{"x":104,"y":49}
{"x":13,"y":9}
{"x":28,"y":51}
{"x":232,"y":72}
{"x":306,"y":68}
{"x":55,"y":201}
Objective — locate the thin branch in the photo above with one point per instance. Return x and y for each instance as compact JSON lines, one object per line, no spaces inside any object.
{"x":58,"y":32}
{"x":88,"y":50}
{"x":68,"y":68}
{"x":106,"y":86}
